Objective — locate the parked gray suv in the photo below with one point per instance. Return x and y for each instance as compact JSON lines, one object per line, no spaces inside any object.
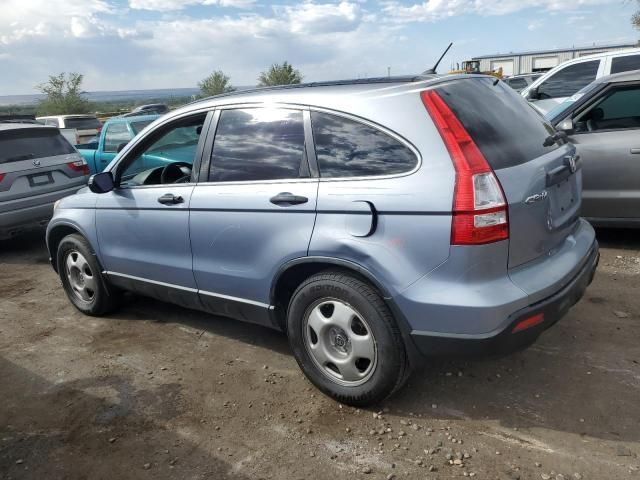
{"x":37,"y":167}
{"x":375,"y":222}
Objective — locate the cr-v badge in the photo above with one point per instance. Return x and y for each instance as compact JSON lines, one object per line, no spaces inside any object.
{"x":537,"y":197}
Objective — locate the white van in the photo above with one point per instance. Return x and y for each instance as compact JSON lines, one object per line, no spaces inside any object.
{"x":567,"y":78}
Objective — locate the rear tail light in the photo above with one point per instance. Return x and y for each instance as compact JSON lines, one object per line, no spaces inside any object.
{"x":2,"y":175}
{"x":79,"y":166}
{"x":479,"y":206}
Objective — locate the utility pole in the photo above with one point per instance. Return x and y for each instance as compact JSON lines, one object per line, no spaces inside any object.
{"x":388,"y":71}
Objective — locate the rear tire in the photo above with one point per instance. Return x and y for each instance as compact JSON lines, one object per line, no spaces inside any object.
{"x":82,"y":278}
{"x":345,"y":339}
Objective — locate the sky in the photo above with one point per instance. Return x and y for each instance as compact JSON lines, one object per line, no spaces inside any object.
{"x":143,"y":44}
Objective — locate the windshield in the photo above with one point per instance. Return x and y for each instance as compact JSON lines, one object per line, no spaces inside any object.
{"x":83,"y":123}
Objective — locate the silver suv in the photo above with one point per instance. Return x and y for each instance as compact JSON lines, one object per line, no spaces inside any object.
{"x":375,"y":222}
{"x":37,"y":167}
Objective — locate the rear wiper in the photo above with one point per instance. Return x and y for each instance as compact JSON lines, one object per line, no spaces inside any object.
{"x":17,"y":158}
{"x":556,"y":137}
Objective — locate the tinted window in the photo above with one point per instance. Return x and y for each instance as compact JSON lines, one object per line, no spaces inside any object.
{"x":84,"y":123}
{"x":346,"y":148}
{"x":620,"y":109}
{"x":27,"y":143}
{"x":116,"y":134}
{"x":517,"y":83}
{"x":569,"y":80}
{"x":504,"y":126}
{"x":259,"y":144}
{"x":626,"y":63}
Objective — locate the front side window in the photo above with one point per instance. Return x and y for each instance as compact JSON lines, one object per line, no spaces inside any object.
{"x":619,"y":109}
{"x":346,"y":148}
{"x":116,"y":134}
{"x":624,"y":64}
{"x":569,"y":80}
{"x":167,"y":155}
{"x":259,"y":144}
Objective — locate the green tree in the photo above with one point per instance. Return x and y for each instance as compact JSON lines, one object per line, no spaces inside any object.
{"x":215,"y":84}
{"x":63,"y":95}
{"x":279,"y":74}
{"x":635,"y":19}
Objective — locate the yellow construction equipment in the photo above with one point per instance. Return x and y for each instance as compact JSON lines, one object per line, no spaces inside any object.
{"x":473,"y":66}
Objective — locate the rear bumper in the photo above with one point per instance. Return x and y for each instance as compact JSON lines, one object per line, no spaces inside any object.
{"x":20,"y":215}
{"x":504,"y":339}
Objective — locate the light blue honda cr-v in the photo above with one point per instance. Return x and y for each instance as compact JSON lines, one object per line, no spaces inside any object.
{"x":374,"y":222}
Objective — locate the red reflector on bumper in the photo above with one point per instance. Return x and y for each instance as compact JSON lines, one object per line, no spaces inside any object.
{"x":528,"y":322}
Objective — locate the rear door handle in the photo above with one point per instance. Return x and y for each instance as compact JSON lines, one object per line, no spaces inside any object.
{"x":635,"y":151}
{"x":286,"y":199}
{"x":170,"y":199}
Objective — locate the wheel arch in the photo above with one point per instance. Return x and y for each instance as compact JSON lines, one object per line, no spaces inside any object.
{"x":56,"y":233}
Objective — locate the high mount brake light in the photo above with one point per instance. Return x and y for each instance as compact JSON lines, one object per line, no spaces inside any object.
{"x":479,"y":209}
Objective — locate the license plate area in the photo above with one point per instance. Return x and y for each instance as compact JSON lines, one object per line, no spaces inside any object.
{"x":40,"y":179}
{"x":563,"y":201}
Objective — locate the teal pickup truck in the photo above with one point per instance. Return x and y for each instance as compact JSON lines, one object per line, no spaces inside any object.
{"x":115,"y":133}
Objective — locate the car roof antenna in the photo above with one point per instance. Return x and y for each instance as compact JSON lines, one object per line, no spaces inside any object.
{"x":432,"y":70}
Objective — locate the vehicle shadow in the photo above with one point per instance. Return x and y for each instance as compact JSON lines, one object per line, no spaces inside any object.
{"x":59,"y":431}
{"x":623,"y":238}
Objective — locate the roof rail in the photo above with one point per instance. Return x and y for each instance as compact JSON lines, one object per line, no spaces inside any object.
{"x":357,"y":81}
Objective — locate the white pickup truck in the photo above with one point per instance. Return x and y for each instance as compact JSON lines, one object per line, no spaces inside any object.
{"x":87,"y":126}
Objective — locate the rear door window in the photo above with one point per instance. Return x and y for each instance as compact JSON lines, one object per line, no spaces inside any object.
{"x":347,"y":148}
{"x":624,"y":64}
{"x":259,"y":144}
{"x":505,"y":127}
{"x":27,"y":143}
{"x":116,"y":134}
{"x":569,"y":80}
{"x":84,"y":123}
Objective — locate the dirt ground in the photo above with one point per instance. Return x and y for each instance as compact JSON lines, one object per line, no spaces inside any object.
{"x":157,"y":391}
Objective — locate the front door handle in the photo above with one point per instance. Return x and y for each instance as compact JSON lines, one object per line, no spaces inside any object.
{"x":635,"y":151}
{"x":286,"y":199}
{"x":170,"y":199}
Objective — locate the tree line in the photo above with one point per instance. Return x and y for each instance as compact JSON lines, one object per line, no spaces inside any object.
{"x":63,"y":92}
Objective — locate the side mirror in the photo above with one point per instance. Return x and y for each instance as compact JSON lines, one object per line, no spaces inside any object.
{"x":101,"y":182}
{"x":533,"y":94}
{"x":566,"y":125}
{"x":121,"y":146}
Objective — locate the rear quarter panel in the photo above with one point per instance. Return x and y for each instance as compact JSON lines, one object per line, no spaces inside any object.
{"x":413,"y":229}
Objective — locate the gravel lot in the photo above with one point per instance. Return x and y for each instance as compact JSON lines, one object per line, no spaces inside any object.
{"x":157,"y":391}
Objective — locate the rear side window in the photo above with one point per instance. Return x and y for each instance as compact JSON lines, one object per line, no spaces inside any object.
{"x":85,"y":123}
{"x":505,"y":127}
{"x":27,"y":144}
{"x":346,"y":148}
{"x":517,"y":83}
{"x":569,"y":80}
{"x":624,"y":64}
{"x":259,"y":144}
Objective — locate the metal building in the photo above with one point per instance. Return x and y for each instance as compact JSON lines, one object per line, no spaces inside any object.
{"x":541,"y":60}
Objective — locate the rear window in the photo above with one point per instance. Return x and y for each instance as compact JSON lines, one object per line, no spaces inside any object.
{"x":137,"y":127}
{"x":27,"y":144}
{"x":84,"y":123}
{"x":505,"y":127}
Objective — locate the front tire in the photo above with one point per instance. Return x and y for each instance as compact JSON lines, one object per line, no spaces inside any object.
{"x":82,"y":278}
{"x":345,"y":339}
